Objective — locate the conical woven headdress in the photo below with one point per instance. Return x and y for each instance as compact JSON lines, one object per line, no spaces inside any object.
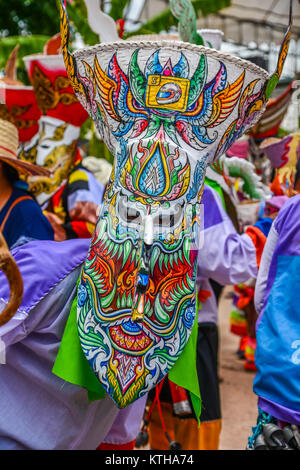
{"x":166,"y":109}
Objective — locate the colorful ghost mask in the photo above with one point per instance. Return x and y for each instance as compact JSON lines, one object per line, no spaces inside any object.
{"x":55,"y":145}
{"x":166,"y":110}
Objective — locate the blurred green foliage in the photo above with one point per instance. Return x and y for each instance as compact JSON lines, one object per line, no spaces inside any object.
{"x":21,"y":17}
{"x":91,"y":144}
{"x":28,"y":45}
{"x":117,"y":8}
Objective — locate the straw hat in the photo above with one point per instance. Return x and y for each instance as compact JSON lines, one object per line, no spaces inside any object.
{"x":9,"y":142}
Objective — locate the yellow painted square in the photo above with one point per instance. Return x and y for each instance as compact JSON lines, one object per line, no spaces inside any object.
{"x":154,"y":84}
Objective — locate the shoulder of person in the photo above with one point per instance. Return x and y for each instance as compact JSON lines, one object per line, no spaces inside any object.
{"x":26,"y":207}
{"x":289,"y":214}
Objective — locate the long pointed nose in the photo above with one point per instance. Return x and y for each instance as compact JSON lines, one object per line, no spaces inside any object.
{"x":142,"y":278}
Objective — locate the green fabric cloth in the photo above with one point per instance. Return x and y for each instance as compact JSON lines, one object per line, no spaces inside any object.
{"x":184,"y":372}
{"x":72,"y":366}
{"x":214,"y":185}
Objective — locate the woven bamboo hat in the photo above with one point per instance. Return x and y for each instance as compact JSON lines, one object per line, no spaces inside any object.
{"x":9,"y":142}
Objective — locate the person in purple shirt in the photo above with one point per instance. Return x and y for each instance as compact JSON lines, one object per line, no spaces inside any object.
{"x":39,"y":410}
{"x":277,"y":357}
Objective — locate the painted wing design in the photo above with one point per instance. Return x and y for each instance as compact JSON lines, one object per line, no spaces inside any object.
{"x":107,"y":89}
{"x":118,"y":100}
{"x":224,"y":101}
{"x":213,"y":105}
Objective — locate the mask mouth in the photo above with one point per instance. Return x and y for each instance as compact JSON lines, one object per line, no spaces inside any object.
{"x":136,"y":338}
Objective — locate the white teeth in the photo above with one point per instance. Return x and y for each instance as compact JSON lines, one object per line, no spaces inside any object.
{"x":123,"y":301}
{"x":166,"y":260}
{"x":191,"y":284}
{"x":186,"y":250}
{"x":170,"y":308}
{"x":180,"y":256}
{"x":116,"y":247}
{"x":176,"y":258}
{"x":129,"y":300}
{"x":120,"y":252}
{"x":103,"y":240}
{"x":102,"y":227}
{"x":99,"y":275}
{"x":106,"y":301}
{"x":106,"y":244}
{"x":160,"y":261}
{"x":154,"y":257}
{"x":126,"y":252}
{"x":90,"y":263}
{"x":133,"y":254}
{"x":182,"y":292}
{"x":99,"y":280}
{"x":174,"y":296}
{"x":110,"y":248}
{"x":160,"y":313}
{"x":171,"y":261}
{"x":147,"y":308}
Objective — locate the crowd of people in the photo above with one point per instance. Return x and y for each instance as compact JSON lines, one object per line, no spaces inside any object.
{"x":50,"y":200}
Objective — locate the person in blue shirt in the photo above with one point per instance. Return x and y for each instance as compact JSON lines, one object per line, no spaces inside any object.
{"x":21,"y":218}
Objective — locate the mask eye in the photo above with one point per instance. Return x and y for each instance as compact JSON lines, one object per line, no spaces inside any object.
{"x":128,"y":214}
{"x":132,"y":214}
{"x":166,"y":220}
{"x":170,"y":218}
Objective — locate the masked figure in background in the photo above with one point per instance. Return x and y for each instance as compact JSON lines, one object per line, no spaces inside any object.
{"x":71,"y":195}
